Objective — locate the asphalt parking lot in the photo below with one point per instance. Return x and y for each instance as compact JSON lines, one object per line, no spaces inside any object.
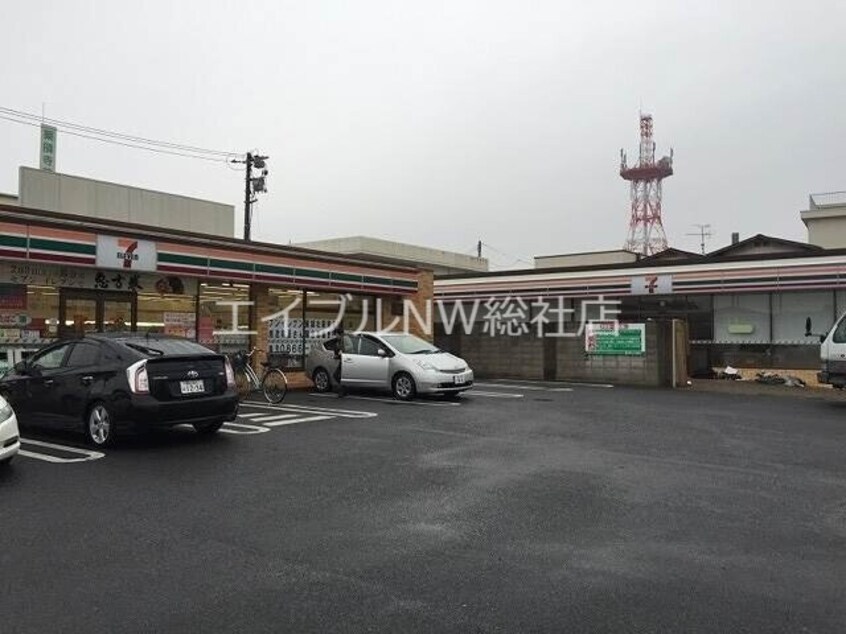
{"x":522,"y":507}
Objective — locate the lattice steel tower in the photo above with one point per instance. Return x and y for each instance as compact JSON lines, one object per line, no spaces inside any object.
{"x":646,"y":229}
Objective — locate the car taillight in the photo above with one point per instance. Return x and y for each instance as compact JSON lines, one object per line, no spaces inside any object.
{"x":136,"y":375}
{"x":230,"y":373}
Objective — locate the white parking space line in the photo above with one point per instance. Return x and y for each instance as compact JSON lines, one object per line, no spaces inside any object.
{"x":243,"y":429}
{"x":265,"y":417}
{"x":250,"y":415}
{"x":294,"y":421}
{"x":308,"y":409}
{"x":494,"y":394}
{"x":86,"y":455}
{"x":562,"y":389}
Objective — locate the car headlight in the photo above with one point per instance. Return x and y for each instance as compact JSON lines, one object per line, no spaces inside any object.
{"x":425,"y":365}
{"x":6,"y":411}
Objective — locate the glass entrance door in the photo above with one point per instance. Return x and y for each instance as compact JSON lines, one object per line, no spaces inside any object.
{"x":82,"y":311}
{"x":117,"y":315}
{"x":79,"y":318}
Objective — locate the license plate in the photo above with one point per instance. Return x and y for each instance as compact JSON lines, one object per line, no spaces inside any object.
{"x":192,"y":387}
{"x":460,"y":378}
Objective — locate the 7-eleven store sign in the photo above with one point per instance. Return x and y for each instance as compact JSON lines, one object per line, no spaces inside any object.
{"x":126,"y":253}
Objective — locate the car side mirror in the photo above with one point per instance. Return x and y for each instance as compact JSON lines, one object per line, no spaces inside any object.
{"x":381,"y":352}
{"x":21,"y":367}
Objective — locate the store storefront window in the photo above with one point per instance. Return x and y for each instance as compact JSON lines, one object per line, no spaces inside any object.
{"x":216,"y":315}
{"x":169,"y":306}
{"x":324,"y":311}
{"x":791,"y":309}
{"x":742,"y":318}
{"x":39,"y":318}
{"x":27,"y":320}
{"x":285,"y":336}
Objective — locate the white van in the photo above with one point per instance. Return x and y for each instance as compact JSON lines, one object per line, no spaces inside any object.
{"x":832,"y":353}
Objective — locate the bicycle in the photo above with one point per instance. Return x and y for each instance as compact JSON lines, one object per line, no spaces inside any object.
{"x":273,"y":382}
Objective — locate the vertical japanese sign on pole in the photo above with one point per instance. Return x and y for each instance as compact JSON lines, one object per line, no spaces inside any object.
{"x":48,"y":148}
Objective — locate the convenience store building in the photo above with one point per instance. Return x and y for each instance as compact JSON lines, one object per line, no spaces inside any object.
{"x":66,"y":274}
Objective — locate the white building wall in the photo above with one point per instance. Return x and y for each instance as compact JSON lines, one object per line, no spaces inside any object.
{"x":8,"y":199}
{"x":584,"y":259}
{"x":826,"y":229}
{"x":122,"y":203}
{"x":439,"y":261}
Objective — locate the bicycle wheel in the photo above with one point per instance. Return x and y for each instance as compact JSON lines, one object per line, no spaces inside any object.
{"x":242,"y":384}
{"x":274,"y":385}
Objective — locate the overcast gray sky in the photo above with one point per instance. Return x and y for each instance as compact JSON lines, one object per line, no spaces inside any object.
{"x":440,"y":123}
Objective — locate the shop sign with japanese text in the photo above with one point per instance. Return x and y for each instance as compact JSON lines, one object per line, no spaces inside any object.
{"x":58,"y":276}
{"x":47,"y":160}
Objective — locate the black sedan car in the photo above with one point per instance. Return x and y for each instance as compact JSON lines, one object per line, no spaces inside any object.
{"x":108,"y":383}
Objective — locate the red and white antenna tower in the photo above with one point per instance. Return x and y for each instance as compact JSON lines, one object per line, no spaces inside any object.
{"x":646,"y":229}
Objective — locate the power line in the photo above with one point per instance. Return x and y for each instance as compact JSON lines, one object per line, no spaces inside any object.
{"x":115,"y":141}
{"x":508,"y":255}
{"x":112,"y":134}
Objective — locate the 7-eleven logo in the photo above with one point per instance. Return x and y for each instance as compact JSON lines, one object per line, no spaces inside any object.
{"x":651,"y":283}
{"x":126,"y":252}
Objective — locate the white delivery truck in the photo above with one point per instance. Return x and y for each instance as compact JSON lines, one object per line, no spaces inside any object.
{"x":832,"y":353}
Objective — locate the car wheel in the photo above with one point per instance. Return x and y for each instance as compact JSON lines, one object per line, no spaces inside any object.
{"x":100,"y":425}
{"x":404,"y":387}
{"x":322,"y":381}
{"x":207,"y":429}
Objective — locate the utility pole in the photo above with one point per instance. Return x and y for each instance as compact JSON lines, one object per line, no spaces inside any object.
{"x":704,"y":232}
{"x":252,"y":185}
{"x":479,"y":250}
{"x":248,"y":197}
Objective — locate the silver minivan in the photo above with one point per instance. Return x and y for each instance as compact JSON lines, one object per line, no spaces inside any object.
{"x":402,"y":363}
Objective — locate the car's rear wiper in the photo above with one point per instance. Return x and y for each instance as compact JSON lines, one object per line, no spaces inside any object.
{"x":145,"y":350}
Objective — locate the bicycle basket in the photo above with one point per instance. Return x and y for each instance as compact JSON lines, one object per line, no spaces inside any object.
{"x":238,"y":360}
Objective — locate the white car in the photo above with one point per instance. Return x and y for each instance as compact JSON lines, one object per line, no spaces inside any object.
{"x":403,"y":363}
{"x":10,"y":439}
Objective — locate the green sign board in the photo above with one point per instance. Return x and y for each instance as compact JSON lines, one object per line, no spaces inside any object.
{"x":611,"y":339}
{"x":48,"y":148}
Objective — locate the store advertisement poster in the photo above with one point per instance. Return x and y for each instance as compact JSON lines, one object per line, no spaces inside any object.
{"x":180,"y":324}
{"x":12,"y":297}
{"x":608,"y":338}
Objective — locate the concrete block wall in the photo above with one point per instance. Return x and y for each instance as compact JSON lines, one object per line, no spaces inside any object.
{"x":562,"y":358}
{"x":572,"y":364}
{"x":498,"y":357}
